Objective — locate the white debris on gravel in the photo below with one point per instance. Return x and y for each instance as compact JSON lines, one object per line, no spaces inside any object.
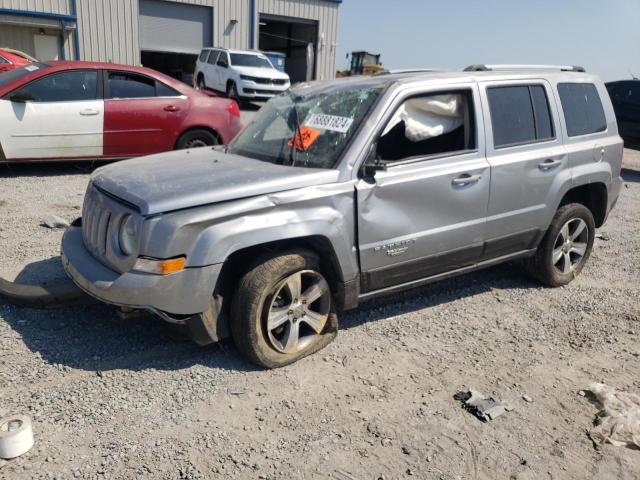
{"x":161,"y":408}
{"x":618,"y":422}
{"x":54,"y":221}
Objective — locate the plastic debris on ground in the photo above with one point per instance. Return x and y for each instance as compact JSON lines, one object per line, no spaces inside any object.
{"x":618,"y":421}
{"x":483,"y":407}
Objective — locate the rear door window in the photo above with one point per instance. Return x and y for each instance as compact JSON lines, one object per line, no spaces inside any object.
{"x":75,"y":85}
{"x":519,"y":115}
{"x":163,"y":90}
{"x":3,"y":60}
{"x":130,"y":85}
{"x":213,"y":58}
{"x":583,"y":112}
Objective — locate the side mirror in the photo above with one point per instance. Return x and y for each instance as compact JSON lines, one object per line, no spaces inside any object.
{"x":20,"y":97}
{"x":223,"y":64}
{"x":373,"y":163}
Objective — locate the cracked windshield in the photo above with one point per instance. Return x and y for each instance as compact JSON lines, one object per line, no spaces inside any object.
{"x":306,"y":130}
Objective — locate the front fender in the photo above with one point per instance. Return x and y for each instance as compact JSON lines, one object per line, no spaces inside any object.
{"x":209,"y":235}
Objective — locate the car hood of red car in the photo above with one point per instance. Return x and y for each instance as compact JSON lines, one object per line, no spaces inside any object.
{"x":202,"y":176}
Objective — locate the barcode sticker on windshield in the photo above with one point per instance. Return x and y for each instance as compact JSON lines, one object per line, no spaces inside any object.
{"x":329,"y":122}
{"x":31,"y":68}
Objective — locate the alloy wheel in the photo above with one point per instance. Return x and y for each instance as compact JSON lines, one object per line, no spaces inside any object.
{"x":195,"y":143}
{"x":570,"y":246}
{"x":298,"y":311}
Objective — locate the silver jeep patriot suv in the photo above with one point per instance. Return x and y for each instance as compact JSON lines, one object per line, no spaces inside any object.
{"x":345,"y":190}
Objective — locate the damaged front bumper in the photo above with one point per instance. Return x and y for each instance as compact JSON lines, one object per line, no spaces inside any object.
{"x":177,"y":295}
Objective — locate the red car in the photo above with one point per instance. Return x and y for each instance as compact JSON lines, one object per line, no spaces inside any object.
{"x":84,"y":110}
{"x":10,"y":59}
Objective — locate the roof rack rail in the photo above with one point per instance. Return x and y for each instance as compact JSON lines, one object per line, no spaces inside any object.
{"x":487,"y":68}
{"x":406,"y":70}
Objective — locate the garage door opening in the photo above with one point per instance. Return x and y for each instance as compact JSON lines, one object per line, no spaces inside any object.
{"x":172,"y":35}
{"x":177,"y":65}
{"x":295,"y":38}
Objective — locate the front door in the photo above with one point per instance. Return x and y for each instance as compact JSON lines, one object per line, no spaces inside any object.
{"x":426,"y":213}
{"x":57,"y":116}
{"x":142,"y":116}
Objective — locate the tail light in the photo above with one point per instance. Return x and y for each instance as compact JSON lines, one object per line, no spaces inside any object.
{"x":233,"y":109}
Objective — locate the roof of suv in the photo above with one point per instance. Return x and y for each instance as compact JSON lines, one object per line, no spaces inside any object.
{"x":233,"y":50}
{"x":456,"y":76}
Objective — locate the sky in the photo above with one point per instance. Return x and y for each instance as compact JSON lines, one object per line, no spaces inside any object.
{"x":602,"y":36}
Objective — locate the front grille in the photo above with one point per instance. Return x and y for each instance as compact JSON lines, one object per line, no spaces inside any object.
{"x":96,"y":218}
{"x":265,"y":81}
{"x":261,"y":92}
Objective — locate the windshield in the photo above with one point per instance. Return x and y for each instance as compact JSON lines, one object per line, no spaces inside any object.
{"x":321,"y":122}
{"x":16,"y":74}
{"x":248,"y":60}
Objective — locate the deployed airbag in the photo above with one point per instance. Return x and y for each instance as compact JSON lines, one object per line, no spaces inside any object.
{"x":429,"y":117}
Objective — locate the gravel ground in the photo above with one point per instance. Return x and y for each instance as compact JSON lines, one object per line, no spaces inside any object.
{"x":132,"y":399}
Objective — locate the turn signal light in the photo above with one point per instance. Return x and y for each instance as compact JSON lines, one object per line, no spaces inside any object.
{"x":233,"y":108}
{"x":160,"y":267}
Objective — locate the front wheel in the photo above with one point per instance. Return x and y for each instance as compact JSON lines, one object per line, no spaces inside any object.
{"x":232,"y":92}
{"x":566,"y":246}
{"x":283,"y":310}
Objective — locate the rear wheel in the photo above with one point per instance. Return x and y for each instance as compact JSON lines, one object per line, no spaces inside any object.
{"x":565,"y":247}
{"x":196,"y":138}
{"x":283,"y":310}
{"x":200,"y":83}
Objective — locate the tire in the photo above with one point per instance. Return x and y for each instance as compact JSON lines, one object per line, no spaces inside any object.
{"x":556,"y":262}
{"x":271,"y":324}
{"x":200,"y":83}
{"x":232,"y":92}
{"x":196,"y":138}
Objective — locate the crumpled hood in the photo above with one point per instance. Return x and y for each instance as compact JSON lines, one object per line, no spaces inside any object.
{"x":201,"y":176}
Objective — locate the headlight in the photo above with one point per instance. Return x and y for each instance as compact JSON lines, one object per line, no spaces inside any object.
{"x":127,"y":235}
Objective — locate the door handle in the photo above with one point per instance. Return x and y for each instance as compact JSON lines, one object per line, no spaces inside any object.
{"x":89,"y":111}
{"x":549,"y":164}
{"x":466,"y":179}
{"x":171,"y":108}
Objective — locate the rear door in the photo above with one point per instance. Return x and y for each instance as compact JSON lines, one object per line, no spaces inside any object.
{"x":142,"y":115}
{"x":211,"y":70}
{"x":60,"y":115}
{"x":528,"y":162}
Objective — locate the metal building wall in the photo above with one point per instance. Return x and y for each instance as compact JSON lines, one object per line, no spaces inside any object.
{"x":21,"y":37}
{"x":326,"y":13}
{"x":49,"y":6}
{"x":108,"y":29}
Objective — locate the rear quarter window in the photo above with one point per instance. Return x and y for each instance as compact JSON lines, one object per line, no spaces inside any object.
{"x":203,"y":55}
{"x":583,"y":112}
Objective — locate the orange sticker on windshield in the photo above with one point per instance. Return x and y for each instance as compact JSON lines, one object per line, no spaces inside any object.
{"x":305,"y":138}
